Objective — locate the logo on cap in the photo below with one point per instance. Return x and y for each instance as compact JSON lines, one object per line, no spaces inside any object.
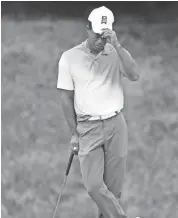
{"x":104,"y":19}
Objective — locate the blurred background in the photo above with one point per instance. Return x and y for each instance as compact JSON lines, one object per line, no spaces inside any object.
{"x":35,"y":136}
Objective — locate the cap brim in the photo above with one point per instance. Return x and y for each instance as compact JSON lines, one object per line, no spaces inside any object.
{"x":99,"y":29}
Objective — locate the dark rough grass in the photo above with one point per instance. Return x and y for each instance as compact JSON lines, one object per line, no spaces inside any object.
{"x":35,"y":135}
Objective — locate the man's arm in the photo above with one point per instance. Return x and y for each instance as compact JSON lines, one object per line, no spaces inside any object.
{"x":129,"y":65}
{"x":67,"y":98}
{"x":66,"y":87}
{"x":130,"y":68}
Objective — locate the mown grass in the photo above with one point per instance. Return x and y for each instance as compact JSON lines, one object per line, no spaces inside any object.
{"x":35,"y":136}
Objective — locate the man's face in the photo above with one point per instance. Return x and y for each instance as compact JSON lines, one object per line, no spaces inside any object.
{"x":96,"y":41}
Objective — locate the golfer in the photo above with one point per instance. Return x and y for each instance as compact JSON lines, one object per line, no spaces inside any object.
{"x":90,"y":82}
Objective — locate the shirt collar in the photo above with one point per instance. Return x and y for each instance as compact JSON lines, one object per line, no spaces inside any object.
{"x":107,"y":49}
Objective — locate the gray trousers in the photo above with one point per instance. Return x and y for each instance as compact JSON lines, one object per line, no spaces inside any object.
{"x":102,"y":156}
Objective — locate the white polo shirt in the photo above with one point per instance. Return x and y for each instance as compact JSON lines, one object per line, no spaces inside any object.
{"x":96,"y":80}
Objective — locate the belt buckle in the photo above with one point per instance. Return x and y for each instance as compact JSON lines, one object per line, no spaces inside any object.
{"x":98,"y":117}
{"x":102,"y":117}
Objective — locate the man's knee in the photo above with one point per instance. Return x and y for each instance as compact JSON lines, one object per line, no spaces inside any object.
{"x":93,"y":188}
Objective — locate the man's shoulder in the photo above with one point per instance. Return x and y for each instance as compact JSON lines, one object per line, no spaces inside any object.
{"x":72,"y":52}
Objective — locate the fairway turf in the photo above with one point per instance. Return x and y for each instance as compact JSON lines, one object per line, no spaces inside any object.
{"x":35,"y":136}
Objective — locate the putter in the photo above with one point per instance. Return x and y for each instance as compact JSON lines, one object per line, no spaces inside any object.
{"x":64,"y":182}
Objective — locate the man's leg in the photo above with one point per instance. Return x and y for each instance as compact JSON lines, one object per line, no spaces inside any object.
{"x":115,"y":154}
{"x":91,"y":157}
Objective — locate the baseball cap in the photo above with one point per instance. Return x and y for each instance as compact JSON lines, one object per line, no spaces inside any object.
{"x":101,"y":18}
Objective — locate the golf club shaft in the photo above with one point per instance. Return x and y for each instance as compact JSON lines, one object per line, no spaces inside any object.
{"x":59,"y":198}
{"x":64,"y":183}
{"x":69,"y":163}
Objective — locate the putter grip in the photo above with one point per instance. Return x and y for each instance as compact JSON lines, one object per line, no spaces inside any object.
{"x":69,"y":163}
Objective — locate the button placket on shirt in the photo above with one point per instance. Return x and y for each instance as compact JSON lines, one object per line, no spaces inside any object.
{"x":95,"y":60}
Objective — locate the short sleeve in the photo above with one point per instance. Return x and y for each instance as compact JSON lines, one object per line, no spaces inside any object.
{"x":64,"y":80}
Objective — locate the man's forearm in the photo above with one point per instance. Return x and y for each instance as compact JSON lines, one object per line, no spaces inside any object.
{"x":130,"y":67}
{"x":69,"y":112}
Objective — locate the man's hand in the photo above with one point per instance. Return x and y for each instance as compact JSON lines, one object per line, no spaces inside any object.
{"x":111,"y":37}
{"x":75,"y":143}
